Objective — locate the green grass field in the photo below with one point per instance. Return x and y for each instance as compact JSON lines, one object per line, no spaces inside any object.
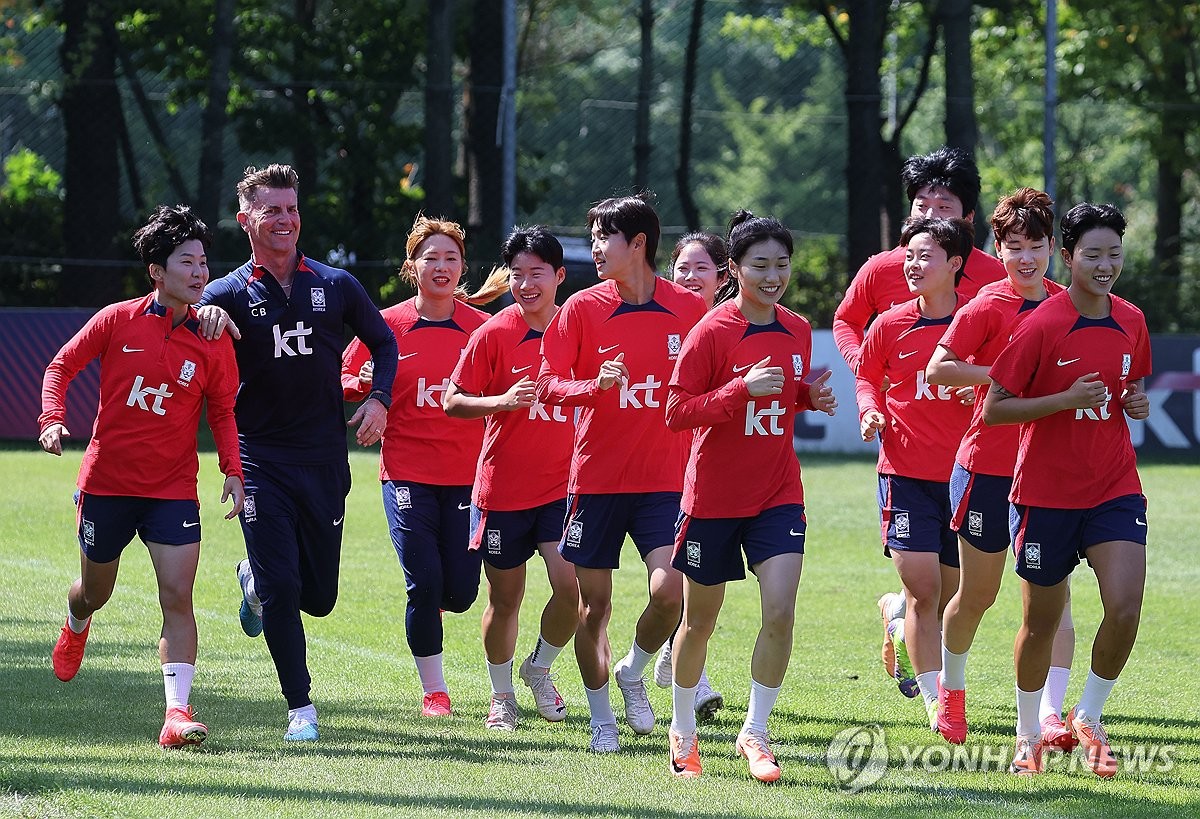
{"x":87,"y":748}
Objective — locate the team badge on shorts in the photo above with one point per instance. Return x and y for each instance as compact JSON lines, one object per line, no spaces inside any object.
{"x":575,"y":533}
{"x":693,"y":554}
{"x":186,"y":373}
{"x":318,"y":299}
{"x":1033,"y":555}
{"x":975,"y":523}
{"x":403,"y":497}
{"x":248,"y":510}
{"x":901,"y":519}
{"x":798,"y":365}
{"x":673,"y":344}
{"x":493,"y":540}
{"x":89,"y":532}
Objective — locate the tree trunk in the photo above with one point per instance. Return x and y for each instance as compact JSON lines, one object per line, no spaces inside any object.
{"x":485,"y":183}
{"x":439,"y":110}
{"x":683,"y":170}
{"x":304,"y":147}
{"x":91,"y":111}
{"x":1177,"y":122}
{"x":641,"y":146}
{"x":212,"y":123}
{"x":864,"y":169}
{"x":954,"y":17}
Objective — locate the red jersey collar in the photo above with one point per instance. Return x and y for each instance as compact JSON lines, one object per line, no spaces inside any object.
{"x":257,"y":271}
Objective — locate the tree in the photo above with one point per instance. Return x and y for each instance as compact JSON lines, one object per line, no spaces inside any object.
{"x":439,"y":109}
{"x":484,"y":161}
{"x":641,"y":144}
{"x":683,"y":169}
{"x":212,"y":124}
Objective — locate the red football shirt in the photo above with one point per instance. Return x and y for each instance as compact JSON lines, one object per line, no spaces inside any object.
{"x":527,"y":452}
{"x":622,"y":443}
{"x":1075,"y":459}
{"x":420,"y":442}
{"x":741,"y":459}
{"x":924,"y":422}
{"x":880,"y":284}
{"x":979,"y":332}
{"x":153,"y":380}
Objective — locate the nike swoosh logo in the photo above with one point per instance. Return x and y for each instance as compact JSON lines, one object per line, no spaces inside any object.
{"x":464,"y":507}
{"x":794,"y":533}
{"x":738,"y":369}
{"x":258,"y":303}
{"x":906,"y":355}
{"x":190,"y":525}
{"x":406,"y":355}
{"x":1139,"y":521}
{"x":168,"y":673}
{"x":521,"y":369}
{"x":603,"y":350}
{"x":338,"y":522}
{"x":128,"y":349}
{"x":1062,"y":363}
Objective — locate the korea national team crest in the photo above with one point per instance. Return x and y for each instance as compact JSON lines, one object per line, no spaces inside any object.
{"x":1033,"y":555}
{"x":798,"y":365}
{"x":575,"y":533}
{"x":318,"y":299}
{"x":693,"y":554}
{"x":89,"y":532}
{"x":1126,"y":363}
{"x":403,"y":497}
{"x":673,"y":344}
{"x":186,"y":373}
{"x":975,"y":523}
{"x":249,"y":512}
{"x":493,"y":541}
{"x":901,"y":521}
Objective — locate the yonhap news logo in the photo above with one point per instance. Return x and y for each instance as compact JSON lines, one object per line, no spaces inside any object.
{"x":859,"y":756}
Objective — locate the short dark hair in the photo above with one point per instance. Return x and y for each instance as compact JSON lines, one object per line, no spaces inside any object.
{"x":955,"y":236}
{"x":629,"y":216}
{"x":1025,"y":210}
{"x":1086,"y":216}
{"x":949,"y":168}
{"x":713,"y":245}
{"x":533,"y":239}
{"x":169,"y":226}
{"x":280,"y":177}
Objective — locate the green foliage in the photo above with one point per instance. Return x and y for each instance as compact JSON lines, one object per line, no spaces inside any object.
{"x":30,"y":227}
{"x":27,"y":179}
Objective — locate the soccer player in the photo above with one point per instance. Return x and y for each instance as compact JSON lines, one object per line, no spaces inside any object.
{"x":520,"y":495}
{"x":609,"y":351}
{"x":944,"y":184}
{"x":291,"y":311}
{"x":139,"y":471}
{"x":1023,"y":224}
{"x":919,"y":427}
{"x":1070,"y":375}
{"x":700,"y":262}
{"x":427,"y":460}
{"x":738,"y":383}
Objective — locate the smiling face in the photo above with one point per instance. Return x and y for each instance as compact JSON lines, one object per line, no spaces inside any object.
{"x":438,"y":265}
{"x":181,"y":281}
{"x":272,"y":222}
{"x":927,"y":268}
{"x":1026,"y":261}
{"x":695,"y":270}
{"x":763,"y":275}
{"x":1096,"y":261}
{"x":533,"y":284}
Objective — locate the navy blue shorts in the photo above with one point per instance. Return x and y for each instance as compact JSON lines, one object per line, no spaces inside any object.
{"x":1048,"y":543}
{"x":509,"y":539}
{"x":915,"y":517}
{"x":980,"y":504}
{"x":107,"y":523}
{"x":709,"y":550}
{"x":596,"y":526}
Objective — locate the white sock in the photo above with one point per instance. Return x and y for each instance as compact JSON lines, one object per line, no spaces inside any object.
{"x":1028,"y":724}
{"x":683,"y":718}
{"x":501,"y":675}
{"x":954,"y":669}
{"x":1095,"y":692}
{"x":544,"y":653}
{"x":75,"y":624}
{"x":1055,"y":692}
{"x":177,"y":680}
{"x":633,"y":665}
{"x":927,"y":682}
{"x":762,"y":702}
{"x":308,"y":713}
{"x":599,"y":705}
{"x":429,"y":669}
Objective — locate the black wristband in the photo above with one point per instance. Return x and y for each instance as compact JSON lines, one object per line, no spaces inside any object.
{"x":382,"y":397}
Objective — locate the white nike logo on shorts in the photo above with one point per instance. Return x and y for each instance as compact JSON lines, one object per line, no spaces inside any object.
{"x":1062,"y":363}
{"x":1139,"y":521}
{"x":794,"y":533}
{"x":338,"y":522}
{"x":190,"y":525}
